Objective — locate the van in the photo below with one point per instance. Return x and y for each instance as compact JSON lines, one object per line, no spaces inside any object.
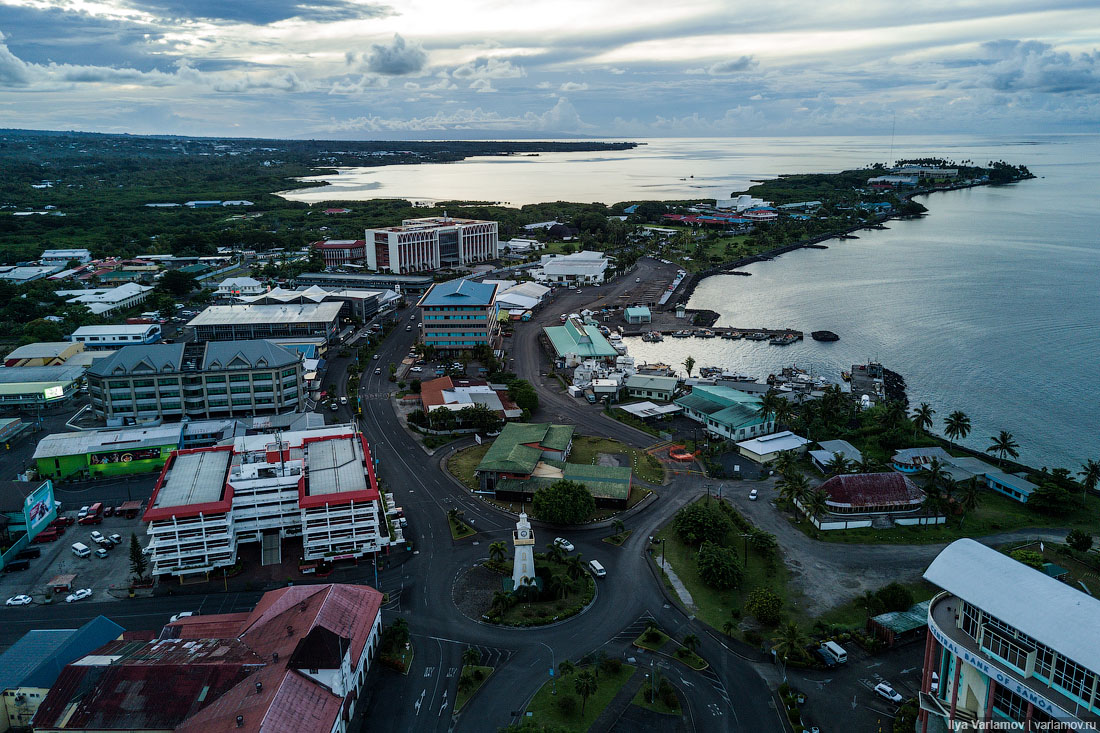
{"x":81,"y":550}
{"x":16,"y":565}
{"x":596,"y":568}
{"x":836,"y":651}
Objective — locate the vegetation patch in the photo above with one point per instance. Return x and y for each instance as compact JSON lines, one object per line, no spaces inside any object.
{"x":459,"y":529}
{"x":464,"y":462}
{"x":582,"y":694}
{"x":619,"y":538}
{"x":566,"y":589}
{"x":663,"y":699}
{"x":395,"y":650}
{"x":586,"y":450}
{"x":470,"y":681}
{"x":652,"y":639}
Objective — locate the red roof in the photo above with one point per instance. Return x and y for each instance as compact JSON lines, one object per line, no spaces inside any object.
{"x":872,"y":489}
{"x":340,"y":244}
{"x":431,"y":392}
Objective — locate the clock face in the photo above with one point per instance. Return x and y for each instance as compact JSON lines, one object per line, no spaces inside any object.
{"x":523,"y":534}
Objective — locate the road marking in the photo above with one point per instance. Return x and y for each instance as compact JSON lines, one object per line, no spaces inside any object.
{"x":715,"y":710}
{"x":420,"y":700}
{"x":444,"y":705}
{"x":429,"y":671}
{"x":451,"y":672}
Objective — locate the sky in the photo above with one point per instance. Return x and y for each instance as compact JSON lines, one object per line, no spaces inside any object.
{"x":423,"y":69}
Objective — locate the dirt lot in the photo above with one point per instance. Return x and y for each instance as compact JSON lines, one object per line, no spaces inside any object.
{"x":93,"y":572}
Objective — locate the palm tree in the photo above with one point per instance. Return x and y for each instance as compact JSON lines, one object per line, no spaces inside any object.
{"x":970,"y":495}
{"x":769,"y":404}
{"x":574,"y":568}
{"x":497,"y":550}
{"x":471,"y":657}
{"x":789,"y":641}
{"x":792,"y":487}
{"x":689,"y":364}
{"x":892,"y":414}
{"x":1004,"y":445}
{"x":566,"y":668}
{"x":956,"y":425}
{"x":558,"y":585}
{"x":691,"y":642}
{"x":501,"y":602}
{"x":1090,"y":474}
{"x":935,"y":479}
{"x":815,"y":503}
{"x":783,"y":412}
{"x":868,"y":602}
{"x":869,"y":465}
{"x":729,"y":626}
{"x":922,"y":417}
{"x":837,"y":465}
{"x":619,"y":526}
{"x":555,"y":553}
{"x":785,"y":462}
{"x":585,"y":684}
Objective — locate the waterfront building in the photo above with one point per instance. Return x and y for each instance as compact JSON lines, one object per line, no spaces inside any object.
{"x":574,"y":342}
{"x":871,"y":493}
{"x":828,"y":448}
{"x":726,"y":412}
{"x":912,"y":460}
{"x":314,"y":485}
{"x":653,"y":387}
{"x":1010,"y":645}
{"x":297,"y":661}
{"x":458,"y":315}
{"x":638,"y":314}
{"x":767,"y":448}
{"x":248,"y":322}
{"x":580,"y":268}
{"x":196,"y":380}
{"x":338,"y":252}
{"x":431,"y":243}
{"x":116,"y":335}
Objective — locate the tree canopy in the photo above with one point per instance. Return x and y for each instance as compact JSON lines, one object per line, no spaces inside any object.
{"x":563,"y":502}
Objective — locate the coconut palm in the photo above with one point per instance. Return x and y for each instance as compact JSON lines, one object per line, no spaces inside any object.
{"x":869,"y":602}
{"x":1004,"y":445}
{"x":892,"y":415}
{"x":969,"y":495}
{"x":689,"y":364}
{"x":922,"y":417}
{"x":729,"y":626}
{"x":691,"y":642}
{"x":501,"y":602}
{"x":574,"y":568}
{"x":769,"y":404}
{"x":497,"y":551}
{"x":789,"y":641}
{"x":566,"y":668}
{"x":555,"y":553}
{"x":785,"y":462}
{"x":471,"y":656}
{"x":585,"y":684}
{"x":618,"y":526}
{"x":783,"y":412}
{"x":1090,"y":474}
{"x":815,"y":503}
{"x":837,"y":465}
{"x":956,"y":425}
{"x":793,"y":487}
{"x":870,"y":465}
{"x":558,"y":584}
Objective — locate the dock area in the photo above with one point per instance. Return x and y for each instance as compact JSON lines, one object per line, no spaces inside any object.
{"x":774,"y":335}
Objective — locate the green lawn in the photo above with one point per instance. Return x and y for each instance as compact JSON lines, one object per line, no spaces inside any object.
{"x":690,"y":658}
{"x":642,"y":700}
{"x":459,"y":529}
{"x":618,"y":539}
{"x":545,"y":706}
{"x":463,"y":463}
{"x":586,"y":449}
{"x":713,"y":605}
{"x":466,"y":692}
{"x":995,"y":514}
{"x":651,"y":645}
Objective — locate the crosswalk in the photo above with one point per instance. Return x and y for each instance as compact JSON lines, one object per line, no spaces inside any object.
{"x":633,"y":630}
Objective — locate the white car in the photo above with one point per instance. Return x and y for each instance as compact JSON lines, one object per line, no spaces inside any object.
{"x":375,"y":357}
{"x":343,"y":400}
{"x":79,"y":595}
{"x":378,"y":370}
{"x":116,"y":538}
{"x":97,"y":537}
{"x":181,"y":614}
{"x":19,"y":600}
{"x":753,"y":495}
{"x":82,"y":513}
{"x":564,"y":544}
{"x":416,"y":370}
{"x":888,"y":692}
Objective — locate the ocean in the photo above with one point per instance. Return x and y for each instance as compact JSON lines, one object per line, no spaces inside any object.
{"x":989,"y":304}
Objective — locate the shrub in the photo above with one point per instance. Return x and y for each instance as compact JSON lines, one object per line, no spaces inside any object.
{"x":1078,"y":540}
{"x":752,"y":636}
{"x":765,"y":605}
{"x":718,"y":566}
{"x":611,"y":666}
{"x":667,"y":693}
{"x":895,"y":597}
{"x":479,"y":675}
{"x":652,"y":636}
{"x":794,"y":716}
{"x":567,"y":704}
{"x":702,"y":521}
{"x":1029,"y":557}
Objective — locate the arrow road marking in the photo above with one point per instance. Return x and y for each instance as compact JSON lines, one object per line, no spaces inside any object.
{"x":444,"y":705}
{"x":420,"y":700}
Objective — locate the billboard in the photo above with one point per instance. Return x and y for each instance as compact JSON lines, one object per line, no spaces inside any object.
{"x":53,"y":393}
{"x":142,"y":454}
{"x":38,"y":507}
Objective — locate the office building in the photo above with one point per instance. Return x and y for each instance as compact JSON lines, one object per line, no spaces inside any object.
{"x":232,"y":287}
{"x":196,"y":380}
{"x":316,"y":485}
{"x":247,"y":322}
{"x":337,"y":252}
{"x":1010,"y":645}
{"x":432,"y":243}
{"x":105,"y":301}
{"x":64,"y":256}
{"x":405,"y":284}
{"x":726,"y":412}
{"x":116,"y":335}
{"x":459,"y":315}
{"x":580,"y":268}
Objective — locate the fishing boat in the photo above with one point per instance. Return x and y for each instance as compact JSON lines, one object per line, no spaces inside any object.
{"x":653,"y":336}
{"x":704,"y":333}
{"x":785,"y":340}
{"x":681,"y":334}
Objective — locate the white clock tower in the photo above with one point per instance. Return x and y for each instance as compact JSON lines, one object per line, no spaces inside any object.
{"x":523,"y":571}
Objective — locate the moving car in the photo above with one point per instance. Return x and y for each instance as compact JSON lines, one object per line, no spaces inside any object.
{"x":333,"y":406}
{"x":416,"y":370}
{"x":378,"y":370}
{"x":596,"y":568}
{"x":753,"y":495}
{"x":343,"y":400}
{"x":564,"y":544}
{"x":19,"y":600}
{"x":78,"y":595}
{"x":408,"y":328}
{"x":375,"y":357}
{"x":888,"y":692}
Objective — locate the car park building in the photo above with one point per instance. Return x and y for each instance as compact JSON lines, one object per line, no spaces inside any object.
{"x":431,"y":243}
{"x":196,"y":380}
{"x":248,"y":322}
{"x":459,"y":315}
{"x":297,"y":661}
{"x":117,"y":335}
{"x":318,"y":485}
{"x":1010,"y":645}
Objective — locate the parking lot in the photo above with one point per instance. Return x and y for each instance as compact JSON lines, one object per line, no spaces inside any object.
{"x":99,"y":574}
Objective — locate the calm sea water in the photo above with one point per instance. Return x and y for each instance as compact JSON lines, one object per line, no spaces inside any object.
{"x":990,"y":304}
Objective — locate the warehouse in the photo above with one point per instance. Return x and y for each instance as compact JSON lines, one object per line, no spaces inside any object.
{"x":247,"y":322}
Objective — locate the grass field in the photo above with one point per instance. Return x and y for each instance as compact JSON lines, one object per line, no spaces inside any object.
{"x":463,"y":463}
{"x":995,"y":514}
{"x":852,"y":615}
{"x":587,"y":448}
{"x":545,"y":706}
{"x":642,"y":700}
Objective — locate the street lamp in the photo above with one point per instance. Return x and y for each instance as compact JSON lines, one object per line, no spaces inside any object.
{"x":553,"y":668}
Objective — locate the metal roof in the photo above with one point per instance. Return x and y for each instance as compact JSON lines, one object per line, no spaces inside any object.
{"x":335,"y":466}
{"x":41,"y":350}
{"x":39,"y":656}
{"x":40,"y":374}
{"x":1049,"y":611}
{"x":459,"y":293}
{"x":194,"y":478}
{"x":901,"y":621}
{"x":94,"y":441}
{"x":872,"y":489}
{"x":127,"y":329}
{"x":225,"y":315}
{"x":577,"y":338}
{"x":785,"y":440}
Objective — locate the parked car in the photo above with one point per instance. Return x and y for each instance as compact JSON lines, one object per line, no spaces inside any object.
{"x":753,"y":495}
{"x":824,"y":658}
{"x":333,"y":406}
{"x":343,"y":400}
{"x":115,"y":538}
{"x":416,"y":370}
{"x":181,"y":614}
{"x":564,"y":544}
{"x":96,"y":536}
{"x":78,"y":595}
{"x":19,"y":600}
{"x":101,"y":553}
{"x":108,"y":511}
{"x":82,"y":513}
{"x":888,"y":692}
{"x":408,"y":328}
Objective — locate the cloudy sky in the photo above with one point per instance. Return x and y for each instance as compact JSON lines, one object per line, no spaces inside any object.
{"x":615,"y":68}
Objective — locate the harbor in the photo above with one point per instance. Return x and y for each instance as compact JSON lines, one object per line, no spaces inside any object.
{"x":775,"y":337}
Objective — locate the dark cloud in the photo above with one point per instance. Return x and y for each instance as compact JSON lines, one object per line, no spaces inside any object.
{"x":396,"y":57}
{"x":42,"y":35}
{"x":263,"y":12}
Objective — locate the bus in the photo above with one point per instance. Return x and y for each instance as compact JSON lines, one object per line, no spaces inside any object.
{"x":94,"y":515}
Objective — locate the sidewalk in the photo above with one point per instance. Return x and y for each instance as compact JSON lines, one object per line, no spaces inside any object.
{"x":677,"y":585}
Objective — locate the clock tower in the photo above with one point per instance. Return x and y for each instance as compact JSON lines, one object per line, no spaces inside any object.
{"x":523,"y":570}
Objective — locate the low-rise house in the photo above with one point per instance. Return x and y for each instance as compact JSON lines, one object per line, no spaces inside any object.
{"x":767,"y":448}
{"x":726,"y":412}
{"x":232,"y":287}
{"x":27,"y":273}
{"x":637,"y":314}
{"x":829,"y":448}
{"x":657,"y":388}
{"x":116,"y":335}
{"x":64,"y":256}
{"x":913,"y":460}
{"x":574,"y":342}
{"x":581,"y":268}
{"x":452,"y":393}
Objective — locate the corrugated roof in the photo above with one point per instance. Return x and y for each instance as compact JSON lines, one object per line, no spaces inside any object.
{"x":576,"y":338}
{"x":335,"y":466}
{"x":194,"y":478}
{"x":41,"y":350}
{"x":463,"y":293}
{"x":97,"y":441}
{"x":513,"y":450}
{"x":901,"y":621}
{"x":40,"y":374}
{"x":785,"y":440}
{"x":225,"y":315}
{"x":1049,"y":611}
{"x":872,"y":489}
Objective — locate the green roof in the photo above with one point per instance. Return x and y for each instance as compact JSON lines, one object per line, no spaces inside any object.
{"x":574,"y":338}
{"x":901,"y":621}
{"x":724,"y":405}
{"x":603,"y":482}
{"x":511,"y":452}
{"x":646,"y":381}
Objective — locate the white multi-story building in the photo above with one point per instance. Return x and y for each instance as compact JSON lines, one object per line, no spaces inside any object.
{"x":431,"y":243}
{"x":116,"y":336}
{"x":315,"y":484}
{"x":105,"y":301}
{"x":584,"y":267}
{"x":65,"y":256}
